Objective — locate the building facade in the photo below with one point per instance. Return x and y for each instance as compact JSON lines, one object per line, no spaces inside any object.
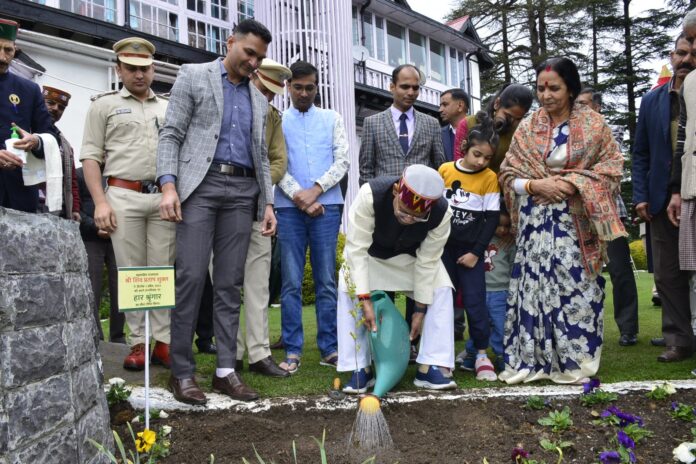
{"x":355,"y":45}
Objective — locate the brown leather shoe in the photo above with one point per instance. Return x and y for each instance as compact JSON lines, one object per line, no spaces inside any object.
{"x":278,"y":345}
{"x":233,"y":386}
{"x":135,"y":361}
{"x":160,"y":355}
{"x":675,"y":353}
{"x":268,"y":367}
{"x":187,"y":390}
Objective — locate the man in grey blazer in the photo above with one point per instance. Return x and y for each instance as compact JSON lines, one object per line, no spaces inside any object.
{"x":400,"y":136}
{"x":213,"y":166}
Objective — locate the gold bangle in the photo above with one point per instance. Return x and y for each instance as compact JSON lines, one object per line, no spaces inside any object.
{"x":528,"y":187}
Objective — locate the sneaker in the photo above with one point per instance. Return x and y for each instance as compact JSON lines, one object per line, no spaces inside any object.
{"x":360,"y":382}
{"x":485,"y":370}
{"x":434,"y":379}
{"x":466,"y":361}
{"x":135,"y":361}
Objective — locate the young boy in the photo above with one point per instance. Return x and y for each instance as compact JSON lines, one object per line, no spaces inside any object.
{"x":498,"y":260}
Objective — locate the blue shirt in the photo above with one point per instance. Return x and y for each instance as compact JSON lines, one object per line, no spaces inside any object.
{"x":234,"y":144}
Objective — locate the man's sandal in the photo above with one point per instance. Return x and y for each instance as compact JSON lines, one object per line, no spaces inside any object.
{"x":290,"y":365}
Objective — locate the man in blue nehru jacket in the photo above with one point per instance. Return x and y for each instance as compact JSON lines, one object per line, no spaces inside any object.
{"x":22,"y":104}
{"x":308,"y":207}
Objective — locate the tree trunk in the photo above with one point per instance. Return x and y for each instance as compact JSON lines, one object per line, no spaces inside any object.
{"x":630,"y":77}
{"x":533,"y":34}
{"x":542,"y":29}
{"x":595,"y":59}
{"x":506,"y":45}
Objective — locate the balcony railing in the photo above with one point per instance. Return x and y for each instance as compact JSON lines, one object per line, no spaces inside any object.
{"x":381,"y":80}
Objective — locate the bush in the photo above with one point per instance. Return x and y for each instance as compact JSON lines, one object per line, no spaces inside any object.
{"x":308,"y":295}
{"x":640,"y":259}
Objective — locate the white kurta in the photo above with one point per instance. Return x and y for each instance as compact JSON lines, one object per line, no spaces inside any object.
{"x":423,"y":276}
{"x":419,"y":275}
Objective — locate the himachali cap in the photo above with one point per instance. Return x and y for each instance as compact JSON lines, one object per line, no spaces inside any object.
{"x":420,"y":187}
{"x":134,"y":51}
{"x":57,"y":95}
{"x":8,"y":29}
{"x":273,"y":75}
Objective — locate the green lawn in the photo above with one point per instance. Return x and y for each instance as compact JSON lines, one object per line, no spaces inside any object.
{"x":618,"y":363}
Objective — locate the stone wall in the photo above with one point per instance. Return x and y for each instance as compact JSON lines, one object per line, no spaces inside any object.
{"x":51,"y":394}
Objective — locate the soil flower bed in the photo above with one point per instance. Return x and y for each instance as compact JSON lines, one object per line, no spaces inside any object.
{"x":444,"y":429}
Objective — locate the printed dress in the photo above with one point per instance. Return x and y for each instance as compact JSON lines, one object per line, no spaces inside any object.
{"x":554,"y":323}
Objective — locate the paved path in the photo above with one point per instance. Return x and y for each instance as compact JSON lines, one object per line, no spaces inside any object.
{"x":112,"y":355}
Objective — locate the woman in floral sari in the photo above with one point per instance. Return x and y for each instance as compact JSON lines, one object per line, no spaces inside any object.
{"x":559,"y":179}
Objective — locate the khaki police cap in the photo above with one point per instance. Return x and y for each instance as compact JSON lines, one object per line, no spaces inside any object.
{"x":273,"y":75}
{"x":135,"y":51}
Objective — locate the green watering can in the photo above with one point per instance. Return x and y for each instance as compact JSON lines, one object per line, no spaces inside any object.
{"x":390,"y":344}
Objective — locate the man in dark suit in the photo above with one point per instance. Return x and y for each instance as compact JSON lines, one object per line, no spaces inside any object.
{"x":656,"y":138}
{"x":400,"y":136}
{"x":213,"y":166}
{"x":454,"y":106}
{"x":21,"y":103}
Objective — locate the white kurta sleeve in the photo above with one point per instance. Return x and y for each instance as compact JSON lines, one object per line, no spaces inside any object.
{"x":361,"y":224}
{"x":428,"y":260}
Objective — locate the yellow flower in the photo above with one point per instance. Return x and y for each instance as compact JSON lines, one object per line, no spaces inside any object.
{"x":145,"y":440}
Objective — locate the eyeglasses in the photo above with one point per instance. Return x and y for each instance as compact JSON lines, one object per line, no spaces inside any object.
{"x":405,"y":217}
{"x":307,"y":88}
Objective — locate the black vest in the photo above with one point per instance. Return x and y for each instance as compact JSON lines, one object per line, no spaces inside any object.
{"x":390,"y":238}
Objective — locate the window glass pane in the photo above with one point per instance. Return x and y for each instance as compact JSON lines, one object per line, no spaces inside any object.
{"x":462,"y":71}
{"x":379,"y":38}
{"x":453,"y":67}
{"x":437,"y":61}
{"x":396,"y":45}
{"x":417,"y":50}
{"x":368,"y":32}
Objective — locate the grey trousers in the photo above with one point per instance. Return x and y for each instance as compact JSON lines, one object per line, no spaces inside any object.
{"x":99,"y":253}
{"x":672,"y":283}
{"x":217,"y":218}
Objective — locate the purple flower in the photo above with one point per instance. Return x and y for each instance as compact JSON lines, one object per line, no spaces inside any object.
{"x":675,"y":406}
{"x":610,"y":457}
{"x":631,"y":456}
{"x":589,"y":387}
{"x":519,"y":453}
{"x":624,"y":440}
{"x":624,"y":417}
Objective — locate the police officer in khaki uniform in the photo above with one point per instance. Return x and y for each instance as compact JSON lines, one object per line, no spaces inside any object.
{"x":121,"y":133}
{"x":269,"y":79}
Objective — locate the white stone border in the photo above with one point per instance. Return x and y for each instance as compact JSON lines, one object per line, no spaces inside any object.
{"x":163,"y":400}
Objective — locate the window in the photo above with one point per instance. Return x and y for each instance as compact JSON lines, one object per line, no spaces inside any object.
{"x":461,"y":65}
{"x":245,"y":9}
{"x":354,"y":23}
{"x":217,"y":39}
{"x":416,"y":49}
{"x":437,"y":61}
{"x":453,"y":67}
{"x":396,"y":44}
{"x":368,"y":33}
{"x":196,"y":5}
{"x":219,"y":9}
{"x":196,"y":33}
{"x":379,"y":38}
{"x":153,"y":20}
{"x":104,"y":10}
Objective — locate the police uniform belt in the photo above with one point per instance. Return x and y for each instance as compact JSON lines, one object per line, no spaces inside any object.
{"x":232,"y":170}
{"x":145,"y":186}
